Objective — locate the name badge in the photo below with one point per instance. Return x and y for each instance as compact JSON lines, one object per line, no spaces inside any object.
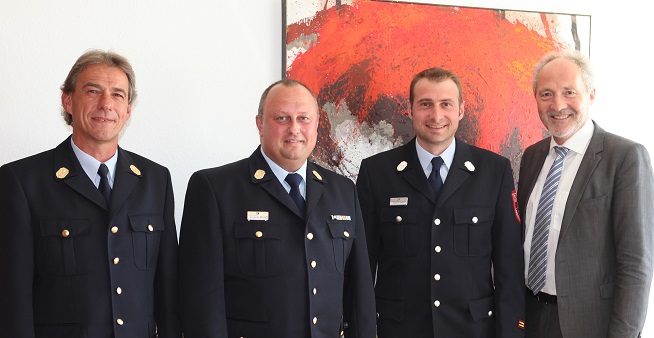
{"x":396,"y":201}
{"x":258,"y":215}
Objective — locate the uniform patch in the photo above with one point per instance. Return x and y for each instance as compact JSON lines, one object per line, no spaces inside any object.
{"x":341,"y":218}
{"x":521,"y":324}
{"x":514,"y":197}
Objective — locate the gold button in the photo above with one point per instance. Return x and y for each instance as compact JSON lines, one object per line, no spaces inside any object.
{"x":346,"y":234}
{"x":313,"y":264}
{"x":119,"y":321}
{"x":437,"y":221}
{"x":475,"y":219}
{"x":119,"y":290}
{"x":315,"y":291}
{"x":114,"y":229}
{"x":398,"y":219}
{"x":259,"y":234}
{"x":310,"y":236}
{"x":150,"y":227}
{"x":116,"y":260}
{"x":65,"y":233}
{"x":315,"y":320}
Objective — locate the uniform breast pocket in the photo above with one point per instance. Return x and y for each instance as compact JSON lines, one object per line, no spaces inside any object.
{"x":259,"y":248}
{"x":146,"y":235}
{"x":343,"y":233}
{"x":399,"y":231}
{"x":472,"y":231}
{"x":67,"y":244}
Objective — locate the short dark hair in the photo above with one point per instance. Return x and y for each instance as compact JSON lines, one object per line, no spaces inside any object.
{"x":94,"y":57}
{"x":435,"y":74}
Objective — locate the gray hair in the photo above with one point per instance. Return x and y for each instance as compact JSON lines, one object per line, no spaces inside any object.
{"x":572,"y":55}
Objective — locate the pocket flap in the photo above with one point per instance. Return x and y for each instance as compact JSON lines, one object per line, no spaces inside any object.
{"x":482,"y":307}
{"x":399,"y":215}
{"x":473,"y":215}
{"x":146,"y":222}
{"x":258,"y":230}
{"x":341,"y":229}
{"x":69,"y":227}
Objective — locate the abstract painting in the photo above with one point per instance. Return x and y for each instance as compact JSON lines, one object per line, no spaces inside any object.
{"x":359,"y":57}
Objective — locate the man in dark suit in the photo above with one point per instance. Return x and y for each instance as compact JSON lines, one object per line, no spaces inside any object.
{"x":78,"y":261}
{"x":588,"y":225}
{"x":435,"y":236}
{"x":262,"y":255}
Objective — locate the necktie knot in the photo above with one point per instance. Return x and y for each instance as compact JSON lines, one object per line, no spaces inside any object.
{"x":294,"y":181}
{"x":561,"y":151}
{"x":104,"y":186}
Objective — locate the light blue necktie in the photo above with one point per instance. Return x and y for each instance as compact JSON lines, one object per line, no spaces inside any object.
{"x":538,"y":255}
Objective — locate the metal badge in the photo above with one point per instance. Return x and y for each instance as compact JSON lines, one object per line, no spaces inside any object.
{"x":401,"y":166}
{"x":259,"y":174}
{"x":135,"y":170}
{"x":62,"y":172}
{"x":315,"y":173}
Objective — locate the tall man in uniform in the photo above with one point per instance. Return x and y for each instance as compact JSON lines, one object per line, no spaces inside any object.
{"x":442,"y":229}
{"x":587,"y":200}
{"x":269,"y":243}
{"x":89,"y":246}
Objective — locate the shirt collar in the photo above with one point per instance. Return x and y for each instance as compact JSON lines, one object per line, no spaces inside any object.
{"x":280,"y":173}
{"x":580,"y":140}
{"x":425,"y":157}
{"x":91,"y":165}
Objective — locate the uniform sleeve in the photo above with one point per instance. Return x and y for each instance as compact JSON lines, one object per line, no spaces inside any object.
{"x":508,"y":265}
{"x":165,"y":284}
{"x":201,"y":274}
{"x":633,"y":215}
{"x":359,"y":294}
{"x":364,"y":191}
{"x":16,"y":258}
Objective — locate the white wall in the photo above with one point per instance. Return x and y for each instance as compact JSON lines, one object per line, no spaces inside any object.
{"x":201,"y":66}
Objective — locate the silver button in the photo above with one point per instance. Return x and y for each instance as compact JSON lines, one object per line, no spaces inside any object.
{"x":114,"y":229}
{"x":116,"y":260}
{"x":120,"y":321}
{"x":309,"y":236}
{"x":398,"y":219}
{"x":437,"y":277}
{"x":437,"y":303}
{"x":437,"y":221}
{"x":315,"y":320}
{"x":475,"y":219}
{"x":315,"y":291}
{"x":119,"y":290}
{"x":313,"y":264}
{"x":437,"y":249}
{"x":490,"y":313}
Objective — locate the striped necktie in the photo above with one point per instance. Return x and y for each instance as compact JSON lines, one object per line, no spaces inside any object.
{"x":538,"y":254}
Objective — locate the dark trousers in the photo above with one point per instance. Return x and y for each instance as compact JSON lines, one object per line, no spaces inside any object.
{"x":542,"y":318}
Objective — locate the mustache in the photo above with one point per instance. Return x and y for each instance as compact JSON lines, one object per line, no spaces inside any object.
{"x":564,"y":111}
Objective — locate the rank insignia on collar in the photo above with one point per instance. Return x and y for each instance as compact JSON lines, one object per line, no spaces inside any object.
{"x":402,"y":166}
{"x":259,"y":174}
{"x":521,"y":324}
{"x":62,"y":172}
{"x":469,"y":166}
{"x":315,"y":173}
{"x":135,"y":170}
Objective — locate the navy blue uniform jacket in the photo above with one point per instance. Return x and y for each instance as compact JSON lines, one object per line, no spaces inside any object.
{"x":252,"y":266}
{"x":74,"y":266}
{"x":434,"y":257}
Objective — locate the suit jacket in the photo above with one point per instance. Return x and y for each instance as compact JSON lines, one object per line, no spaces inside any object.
{"x":434,"y":257}
{"x":252,"y":266}
{"x":604,"y":256}
{"x":75,"y":266}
